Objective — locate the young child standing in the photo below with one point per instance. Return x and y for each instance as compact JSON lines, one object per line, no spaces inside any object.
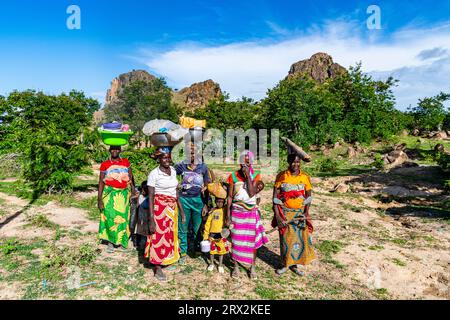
{"x":139,"y":225}
{"x":213,"y":228}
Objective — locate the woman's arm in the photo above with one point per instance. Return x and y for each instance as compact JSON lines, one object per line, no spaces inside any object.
{"x":101,"y":187}
{"x":133,"y":184}
{"x":205,"y":192}
{"x":151,"y":205}
{"x":280,"y":221}
{"x":251,"y":190}
{"x":180,"y":207}
{"x":229,"y":203}
{"x":306,"y":209}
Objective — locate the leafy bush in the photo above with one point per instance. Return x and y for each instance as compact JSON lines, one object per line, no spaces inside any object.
{"x":378,"y":161}
{"x":443,"y":160}
{"x":42,"y":221}
{"x":430,"y":114}
{"x":352,"y":106}
{"x":10,"y":165}
{"x":10,"y":246}
{"x":223,"y":114}
{"x":56,"y":257}
{"x":48,"y":131}
{"x":141,"y":101}
{"x":327,"y":165}
{"x":141,"y":163}
{"x":447,"y":185}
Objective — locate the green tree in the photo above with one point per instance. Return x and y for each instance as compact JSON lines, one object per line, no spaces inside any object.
{"x":47,"y":131}
{"x":303,"y":110}
{"x":221,"y":113}
{"x":369,"y":106}
{"x":352,"y":106}
{"x":142,"y":101}
{"x":430,"y":113}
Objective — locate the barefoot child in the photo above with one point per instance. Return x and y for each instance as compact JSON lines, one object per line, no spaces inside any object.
{"x":213,"y":228}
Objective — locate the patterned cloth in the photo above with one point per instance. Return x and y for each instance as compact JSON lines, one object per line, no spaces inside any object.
{"x":114,"y":220}
{"x":213,"y":227}
{"x":193,"y":180}
{"x":296,"y":245}
{"x":116,"y":173}
{"x":219,"y":246}
{"x":247,"y":234}
{"x":162,"y":247}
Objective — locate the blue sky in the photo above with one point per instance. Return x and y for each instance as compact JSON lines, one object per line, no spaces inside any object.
{"x":246,"y":46}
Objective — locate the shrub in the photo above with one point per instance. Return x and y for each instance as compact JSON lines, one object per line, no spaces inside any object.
{"x":378,"y":161}
{"x":327,"y":165}
{"x":48,"y":130}
{"x":443,"y":160}
{"x":10,"y":165}
{"x":141,"y":163}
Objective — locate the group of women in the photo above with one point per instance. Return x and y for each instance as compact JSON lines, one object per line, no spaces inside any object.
{"x":174,"y":207}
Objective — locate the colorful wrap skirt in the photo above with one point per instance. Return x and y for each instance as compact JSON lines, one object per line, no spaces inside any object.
{"x":248,"y":233}
{"x":114,"y":220}
{"x":219,"y":245}
{"x":296,"y":246}
{"x":162,"y":247}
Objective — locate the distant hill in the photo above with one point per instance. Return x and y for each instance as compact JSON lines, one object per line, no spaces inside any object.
{"x":190,"y":98}
{"x":319,"y":67}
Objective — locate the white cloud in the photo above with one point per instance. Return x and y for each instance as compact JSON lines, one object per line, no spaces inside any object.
{"x":250,"y":68}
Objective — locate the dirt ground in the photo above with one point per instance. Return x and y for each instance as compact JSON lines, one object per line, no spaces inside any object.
{"x":379,"y":240}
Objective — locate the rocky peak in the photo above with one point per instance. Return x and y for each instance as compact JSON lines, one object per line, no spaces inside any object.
{"x":319,"y":67}
{"x":198,"y":94}
{"x":119,"y":83}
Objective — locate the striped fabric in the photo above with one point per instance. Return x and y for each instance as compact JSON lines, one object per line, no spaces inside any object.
{"x":247,"y":235}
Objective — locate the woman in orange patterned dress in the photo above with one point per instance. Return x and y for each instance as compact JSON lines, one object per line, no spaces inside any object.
{"x":291,"y":188}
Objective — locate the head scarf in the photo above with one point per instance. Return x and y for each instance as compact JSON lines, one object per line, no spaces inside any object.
{"x":251,"y":158}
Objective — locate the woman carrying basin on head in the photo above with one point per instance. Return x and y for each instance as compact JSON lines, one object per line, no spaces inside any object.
{"x":162,"y":248}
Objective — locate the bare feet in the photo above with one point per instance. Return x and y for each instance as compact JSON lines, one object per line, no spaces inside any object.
{"x":235,"y":273}
{"x":160,"y":275}
{"x":297,"y":271}
{"x":253,"y":275}
{"x":281,"y":271}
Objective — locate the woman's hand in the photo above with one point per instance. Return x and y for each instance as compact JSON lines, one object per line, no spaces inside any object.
{"x":152,"y":227}
{"x":245,"y":171}
{"x":204,"y":210}
{"x":183,"y":216}
{"x":281,"y":222}
{"x":135,"y":194}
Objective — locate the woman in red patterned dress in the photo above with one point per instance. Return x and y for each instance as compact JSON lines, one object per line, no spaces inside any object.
{"x":162,"y":248}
